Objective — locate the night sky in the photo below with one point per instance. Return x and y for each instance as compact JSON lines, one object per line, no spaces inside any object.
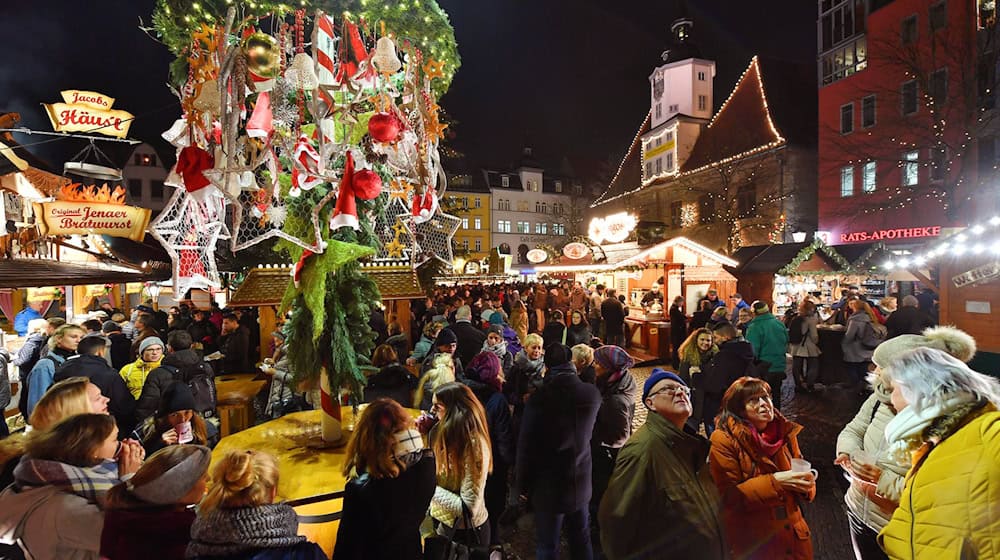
{"x":568,"y":77}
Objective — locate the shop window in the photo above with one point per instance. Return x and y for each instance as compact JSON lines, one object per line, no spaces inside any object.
{"x":911,"y":168}
{"x":675,"y":213}
{"x":847,"y":118}
{"x":706,"y":209}
{"x":868,"y":111}
{"x":847,"y":181}
{"x":908,"y":95}
{"x":938,"y":15}
{"x":908,"y":33}
{"x":868,"y":178}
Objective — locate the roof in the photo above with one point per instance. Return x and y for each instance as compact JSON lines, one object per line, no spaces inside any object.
{"x":494,"y":181}
{"x":621,"y":255}
{"x":770,"y":259}
{"x":549,"y":185}
{"x":629,"y":174}
{"x":39,"y":273}
{"x":266,"y":286}
{"x":471,"y":186}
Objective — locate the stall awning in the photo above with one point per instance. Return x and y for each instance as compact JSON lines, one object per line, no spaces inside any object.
{"x":624,"y":255}
{"x":40,"y":273}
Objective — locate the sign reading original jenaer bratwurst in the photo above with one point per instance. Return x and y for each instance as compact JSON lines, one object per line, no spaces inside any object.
{"x":68,"y":218}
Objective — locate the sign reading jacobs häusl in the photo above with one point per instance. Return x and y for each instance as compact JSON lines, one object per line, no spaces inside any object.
{"x":88,"y":111}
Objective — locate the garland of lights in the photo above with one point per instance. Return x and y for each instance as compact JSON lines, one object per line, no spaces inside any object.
{"x":973,"y":240}
{"x":807,"y":253}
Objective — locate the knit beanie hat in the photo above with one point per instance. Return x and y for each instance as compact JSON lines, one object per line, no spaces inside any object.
{"x":176,"y":397}
{"x":110,"y":327}
{"x":178,"y":480}
{"x":446,"y":336}
{"x":947,"y":339}
{"x":498,"y":329}
{"x":613,"y":358}
{"x":150,"y":341}
{"x":657,"y":376}
{"x":496,"y":318}
{"x":760,"y":307}
{"x":485,"y":367}
{"x":557,"y":354}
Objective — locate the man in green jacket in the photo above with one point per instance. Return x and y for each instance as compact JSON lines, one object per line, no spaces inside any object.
{"x":769,"y":339}
{"x":661,"y":502}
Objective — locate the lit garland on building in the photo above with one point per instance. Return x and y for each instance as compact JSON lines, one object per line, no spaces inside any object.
{"x":977,"y":240}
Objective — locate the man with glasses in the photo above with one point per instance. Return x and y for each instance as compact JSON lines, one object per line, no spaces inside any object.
{"x":656,"y":505}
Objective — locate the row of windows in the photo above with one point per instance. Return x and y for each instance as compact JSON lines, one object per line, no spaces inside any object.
{"x":465,"y":244}
{"x":658,"y":165}
{"x":463,"y":201}
{"x":557,"y":208}
{"x":937,"y":18}
{"x":909,"y":172}
{"x":541,"y":228}
{"x":478,"y":222}
{"x":909,"y":101}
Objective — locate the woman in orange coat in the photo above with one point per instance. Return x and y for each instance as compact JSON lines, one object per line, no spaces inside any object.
{"x":751,"y":460}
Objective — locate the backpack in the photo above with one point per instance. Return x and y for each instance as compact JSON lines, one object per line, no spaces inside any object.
{"x":874,"y":335}
{"x":200,"y":379}
{"x":795,"y":328}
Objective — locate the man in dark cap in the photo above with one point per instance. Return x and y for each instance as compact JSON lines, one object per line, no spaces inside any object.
{"x":445,"y":343}
{"x":120,"y":344}
{"x":657,"y":505}
{"x":553,"y":455}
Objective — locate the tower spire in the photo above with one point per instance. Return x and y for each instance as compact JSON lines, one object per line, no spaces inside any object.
{"x":681,"y":46}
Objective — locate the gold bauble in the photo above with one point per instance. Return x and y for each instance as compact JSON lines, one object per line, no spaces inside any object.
{"x":263,"y":56}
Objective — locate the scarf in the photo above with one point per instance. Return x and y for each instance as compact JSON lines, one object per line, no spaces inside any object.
{"x":770,"y":441}
{"x":90,"y":483}
{"x":905,"y":432}
{"x":499,"y":349}
{"x":238,"y":531}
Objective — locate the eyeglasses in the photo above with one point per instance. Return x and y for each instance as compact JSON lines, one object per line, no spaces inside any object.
{"x":673,"y":390}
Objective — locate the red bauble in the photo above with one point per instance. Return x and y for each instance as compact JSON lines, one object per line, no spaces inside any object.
{"x":367,"y":184}
{"x":384,"y":127}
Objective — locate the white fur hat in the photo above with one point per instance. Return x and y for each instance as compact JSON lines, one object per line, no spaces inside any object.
{"x":956,"y":342}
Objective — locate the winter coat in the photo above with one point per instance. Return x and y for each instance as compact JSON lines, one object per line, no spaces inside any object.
{"x":393,"y":381}
{"x":555,"y":333}
{"x":29,"y":353}
{"x":421,"y":348}
{"x":51,"y":524}
{"x":382,"y":516}
{"x":470,"y":341}
{"x":282,"y":387}
{"x":451,"y":496}
{"x":205,"y":333}
{"x":809,"y":347}
{"x":121,"y":404}
{"x":525,"y":377}
{"x":907,"y":320}
{"x":40,"y":378}
{"x":614,"y":419}
{"x":235,"y":348}
{"x":769,"y":339}
{"x":135,"y":374}
{"x":733,"y":360}
{"x":678,"y":327}
{"x":948,"y":508}
{"x":498,"y":419}
{"x":734,"y":317}
{"x":660,"y":501}
{"x":699,"y":319}
{"x":867,"y":431}
{"x":120,"y":348}
{"x":613,"y":313}
{"x":252,"y":533}
{"x":160,"y":378}
{"x":762,"y":520}
{"x":519,"y":322}
{"x":852,"y":344}
{"x":578,"y":334}
{"x":156,"y":533}
{"x":24,"y":317}
{"x":553,"y":451}
{"x":684,"y":371}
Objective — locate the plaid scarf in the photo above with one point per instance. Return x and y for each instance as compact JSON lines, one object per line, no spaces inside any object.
{"x":91,"y":483}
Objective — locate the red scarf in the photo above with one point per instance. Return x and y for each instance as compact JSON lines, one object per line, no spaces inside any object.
{"x":770,"y":440}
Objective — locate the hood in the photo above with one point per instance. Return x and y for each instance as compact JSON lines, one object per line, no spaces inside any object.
{"x":141,"y":365}
{"x":181,"y":358}
{"x":625,"y":385}
{"x":863,"y":317}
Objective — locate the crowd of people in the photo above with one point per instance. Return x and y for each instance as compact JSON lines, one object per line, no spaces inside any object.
{"x":528,"y":404}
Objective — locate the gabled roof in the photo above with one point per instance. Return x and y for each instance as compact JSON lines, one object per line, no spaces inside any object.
{"x":629,"y":174}
{"x":266,"y":286}
{"x":494,"y":181}
{"x":621,"y":255}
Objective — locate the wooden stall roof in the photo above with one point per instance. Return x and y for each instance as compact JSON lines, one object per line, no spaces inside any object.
{"x":266,"y":286}
{"x":40,"y":273}
{"x":810,"y":257}
{"x":621,"y":255}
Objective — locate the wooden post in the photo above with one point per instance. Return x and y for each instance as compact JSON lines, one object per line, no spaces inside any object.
{"x":268,"y":320}
{"x":80,"y":300}
{"x":403,"y":317}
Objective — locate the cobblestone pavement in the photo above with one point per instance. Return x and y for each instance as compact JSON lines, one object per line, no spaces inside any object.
{"x":823,"y":414}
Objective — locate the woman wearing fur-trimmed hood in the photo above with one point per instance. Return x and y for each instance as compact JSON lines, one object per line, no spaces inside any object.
{"x":877,"y":479}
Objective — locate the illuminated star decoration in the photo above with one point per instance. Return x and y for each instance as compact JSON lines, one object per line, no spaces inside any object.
{"x":189,"y":231}
{"x":433,"y":238}
{"x":434,"y":69}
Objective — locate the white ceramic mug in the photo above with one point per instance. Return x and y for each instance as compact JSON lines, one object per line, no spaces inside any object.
{"x":801,"y":465}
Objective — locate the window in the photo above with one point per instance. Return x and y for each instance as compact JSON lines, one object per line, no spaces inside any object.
{"x":847,"y":118}
{"x":670,"y":161}
{"x":868,"y":111}
{"x":659,"y":141}
{"x":706,"y":209}
{"x":545,"y":208}
{"x":911,"y":169}
{"x":908,"y":33}
{"x":156,"y":190}
{"x":844,"y":61}
{"x":465,"y":244}
{"x":523,"y":227}
{"x":846,"y":181}
{"x":746,"y":200}
{"x":986,"y":157}
{"x":532,"y":186}
{"x":840,"y":21}
{"x":659,"y":110}
{"x":939,"y":163}
{"x":503,"y":226}
{"x":578,"y":190}
{"x":558,"y":229}
{"x":675,"y":213}
{"x":986,"y":77}
{"x":476,"y":202}
{"x":659,"y":165}
{"x":702,"y":102}
{"x":649,"y":169}
{"x":542,"y":228}
{"x":135,"y":189}
{"x":504,"y":181}
{"x":938,"y":15}
{"x":478,"y":223}
{"x":465,"y":223}
{"x":868,"y":178}
{"x":938,"y":86}
{"x":701,"y":76}
{"x":479,"y":244}
{"x":675,"y":108}
{"x":145,"y":160}
{"x":908,"y":93}
{"x":558,"y":186}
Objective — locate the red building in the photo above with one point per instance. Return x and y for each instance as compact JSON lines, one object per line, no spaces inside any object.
{"x":906,"y":140}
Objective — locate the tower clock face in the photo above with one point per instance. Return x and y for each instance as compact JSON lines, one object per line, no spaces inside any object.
{"x":658,"y":87}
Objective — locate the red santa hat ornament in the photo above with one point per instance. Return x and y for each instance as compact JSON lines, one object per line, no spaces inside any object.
{"x":363,"y":184}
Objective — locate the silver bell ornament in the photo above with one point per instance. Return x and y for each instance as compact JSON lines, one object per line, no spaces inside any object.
{"x":385,"y":58}
{"x":302,"y":73}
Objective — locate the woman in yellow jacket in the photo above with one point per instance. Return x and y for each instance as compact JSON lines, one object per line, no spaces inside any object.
{"x":150,"y":356}
{"x":948,"y":420}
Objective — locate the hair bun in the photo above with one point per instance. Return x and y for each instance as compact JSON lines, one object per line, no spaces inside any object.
{"x":239,"y":473}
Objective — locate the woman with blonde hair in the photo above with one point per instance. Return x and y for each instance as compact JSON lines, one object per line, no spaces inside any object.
{"x":695,"y":352}
{"x":238,"y":517}
{"x":442,"y":371}
{"x":149,"y":516}
{"x":462,"y":448}
{"x":62,"y":345}
{"x":391,"y":479}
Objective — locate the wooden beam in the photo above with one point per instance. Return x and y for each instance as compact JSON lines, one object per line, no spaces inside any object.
{"x":267,"y":318}
{"x":925,"y":280}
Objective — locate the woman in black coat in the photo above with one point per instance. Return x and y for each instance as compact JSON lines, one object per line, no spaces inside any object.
{"x":579,"y":330}
{"x":391,"y":479}
{"x":678,"y":329}
{"x":392,"y":381}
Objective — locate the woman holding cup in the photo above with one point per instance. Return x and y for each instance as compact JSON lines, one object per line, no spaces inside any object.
{"x":758,"y":468}
{"x":176,"y":422}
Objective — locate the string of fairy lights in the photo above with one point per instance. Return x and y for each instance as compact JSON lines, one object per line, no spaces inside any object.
{"x":979,"y":239}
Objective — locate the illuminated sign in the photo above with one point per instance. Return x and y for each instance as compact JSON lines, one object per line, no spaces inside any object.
{"x":898,"y":233}
{"x":67,"y":218}
{"x":614,"y":228}
{"x":537,"y":256}
{"x":576,"y":250}
{"x":88,"y":111}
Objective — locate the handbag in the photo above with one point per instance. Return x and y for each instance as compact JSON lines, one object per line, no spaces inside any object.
{"x":444,"y":547}
{"x":294,"y":403}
